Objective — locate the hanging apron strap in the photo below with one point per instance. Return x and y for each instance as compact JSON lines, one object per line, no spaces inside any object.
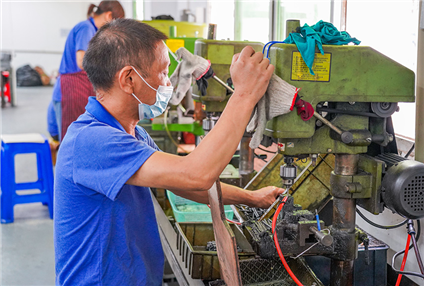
{"x":76,"y":89}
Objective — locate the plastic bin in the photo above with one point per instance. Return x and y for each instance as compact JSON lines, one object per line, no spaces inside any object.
{"x":182,"y":213}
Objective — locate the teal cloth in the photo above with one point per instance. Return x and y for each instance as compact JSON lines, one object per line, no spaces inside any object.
{"x":322,"y":33}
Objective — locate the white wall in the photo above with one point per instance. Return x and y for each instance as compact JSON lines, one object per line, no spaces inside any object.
{"x":175,"y":9}
{"x":36,"y":30}
{"x":391,"y":28}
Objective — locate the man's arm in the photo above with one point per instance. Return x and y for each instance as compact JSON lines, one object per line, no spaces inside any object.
{"x":261,"y":198}
{"x":80,"y":57}
{"x":200,"y":169}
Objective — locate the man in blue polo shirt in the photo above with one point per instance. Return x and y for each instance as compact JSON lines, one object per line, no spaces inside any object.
{"x":105,"y":228}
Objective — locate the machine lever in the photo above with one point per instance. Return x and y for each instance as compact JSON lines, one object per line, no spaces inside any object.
{"x":324,"y":238}
{"x":367,"y":251}
{"x":346,"y":136}
{"x":328,"y":123}
{"x":222,"y":83}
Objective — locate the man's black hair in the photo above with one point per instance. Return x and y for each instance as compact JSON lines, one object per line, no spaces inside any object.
{"x":120,"y":43}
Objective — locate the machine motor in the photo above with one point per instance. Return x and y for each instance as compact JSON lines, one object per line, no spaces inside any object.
{"x":402,"y":188}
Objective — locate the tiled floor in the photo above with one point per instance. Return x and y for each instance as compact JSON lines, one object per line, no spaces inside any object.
{"x":26,"y":249}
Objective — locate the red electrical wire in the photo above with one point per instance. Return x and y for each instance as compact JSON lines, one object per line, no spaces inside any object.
{"x":232,"y":221}
{"x":277,"y":245}
{"x":404,"y":260}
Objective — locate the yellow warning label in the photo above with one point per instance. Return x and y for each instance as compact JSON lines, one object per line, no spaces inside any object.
{"x":174,"y":44}
{"x":321,"y":68}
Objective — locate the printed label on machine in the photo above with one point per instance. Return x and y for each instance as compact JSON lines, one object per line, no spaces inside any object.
{"x":321,"y":68}
{"x":174,"y":44}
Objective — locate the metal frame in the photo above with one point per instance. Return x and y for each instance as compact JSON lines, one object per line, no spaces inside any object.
{"x":168,"y":237}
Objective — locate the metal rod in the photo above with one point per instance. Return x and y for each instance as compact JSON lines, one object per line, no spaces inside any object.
{"x":306,"y":250}
{"x":322,"y":237}
{"x":328,"y":123}
{"x":272,"y":20}
{"x":212,"y":31}
{"x":246,"y":155}
{"x":344,"y":225}
{"x":292,"y":26}
{"x":223,"y":83}
{"x":343,"y":16}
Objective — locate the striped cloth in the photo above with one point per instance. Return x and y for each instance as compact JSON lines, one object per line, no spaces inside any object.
{"x":76,"y":89}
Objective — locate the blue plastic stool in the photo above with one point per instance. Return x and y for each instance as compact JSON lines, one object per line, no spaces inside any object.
{"x":12,"y":145}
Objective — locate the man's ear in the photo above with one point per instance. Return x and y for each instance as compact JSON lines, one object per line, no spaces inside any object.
{"x":108,"y":16}
{"x":126,"y":79}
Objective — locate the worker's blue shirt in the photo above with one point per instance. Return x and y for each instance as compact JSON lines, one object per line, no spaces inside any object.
{"x":105,"y":231}
{"x":57,"y":90}
{"x":51,"y":121}
{"x":77,"y":40}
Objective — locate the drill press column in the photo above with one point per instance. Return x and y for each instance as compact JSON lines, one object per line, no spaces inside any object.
{"x":246,"y":166}
{"x":344,"y":225}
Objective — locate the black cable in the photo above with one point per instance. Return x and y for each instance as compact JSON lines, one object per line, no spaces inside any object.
{"x":410,"y":151}
{"x":417,"y":236}
{"x":380,"y":226}
{"x":411,"y":231}
{"x":267,"y":150}
{"x":259,"y":157}
{"x":417,"y":254}
{"x":403,"y":272}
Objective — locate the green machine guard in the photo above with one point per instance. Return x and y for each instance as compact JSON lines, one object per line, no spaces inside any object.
{"x":348,"y":78}
{"x":220,"y":54}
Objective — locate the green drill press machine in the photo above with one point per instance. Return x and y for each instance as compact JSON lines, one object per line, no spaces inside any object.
{"x":356,"y":89}
{"x":354,"y":92}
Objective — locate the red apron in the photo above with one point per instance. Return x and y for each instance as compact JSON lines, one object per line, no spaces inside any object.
{"x":76,"y":89}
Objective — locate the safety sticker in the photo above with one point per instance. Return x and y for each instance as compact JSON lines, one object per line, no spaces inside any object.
{"x":174,"y":44}
{"x":321,"y":68}
{"x":290,"y":145}
{"x":282,"y":146}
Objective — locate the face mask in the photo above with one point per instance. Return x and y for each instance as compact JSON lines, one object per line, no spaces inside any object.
{"x":163,"y":95}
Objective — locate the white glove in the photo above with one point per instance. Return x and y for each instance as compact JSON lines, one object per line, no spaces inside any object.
{"x":190,"y":67}
{"x":278,"y":100}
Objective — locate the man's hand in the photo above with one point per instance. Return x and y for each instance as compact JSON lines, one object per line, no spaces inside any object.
{"x":263,"y":198}
{"x":250,"y":73}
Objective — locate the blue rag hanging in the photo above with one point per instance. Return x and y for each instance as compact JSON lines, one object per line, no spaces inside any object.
{"x":322,"y":33}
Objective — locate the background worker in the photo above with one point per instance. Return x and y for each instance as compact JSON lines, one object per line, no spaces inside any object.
{"x":72,"y":88}
{"x":51,"y":123}
{"x":105,"y":226}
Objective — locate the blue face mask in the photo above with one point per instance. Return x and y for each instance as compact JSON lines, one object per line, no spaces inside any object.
{"x":163,"y":95}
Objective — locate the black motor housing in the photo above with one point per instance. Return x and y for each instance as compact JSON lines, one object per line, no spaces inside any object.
{"x":403,"y":188}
